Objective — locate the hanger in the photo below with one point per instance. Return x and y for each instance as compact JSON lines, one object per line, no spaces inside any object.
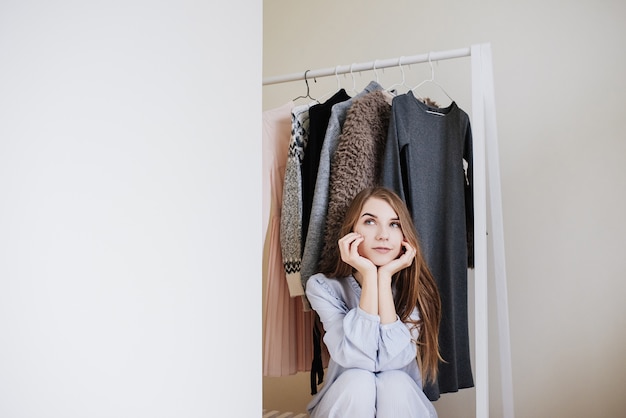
{"x":308,"y":95}
{"x":388,"y":96}
{"x":403,"y":83}
{"x":375,"y":71}
{"x":353,"y":91}
{"x":337,"y":78}
{"x":332,"y":91}
{"x":431,"y":80}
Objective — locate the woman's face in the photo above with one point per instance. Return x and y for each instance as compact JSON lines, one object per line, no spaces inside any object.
{"x":381,"y":230}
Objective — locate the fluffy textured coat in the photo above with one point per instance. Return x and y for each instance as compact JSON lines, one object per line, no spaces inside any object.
{"x":356,"y":164}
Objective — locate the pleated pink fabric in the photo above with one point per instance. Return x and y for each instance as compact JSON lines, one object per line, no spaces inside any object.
{"x":287,"y":327}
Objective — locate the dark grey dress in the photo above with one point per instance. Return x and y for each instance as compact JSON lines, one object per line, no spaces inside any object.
{"x":424,"y":163}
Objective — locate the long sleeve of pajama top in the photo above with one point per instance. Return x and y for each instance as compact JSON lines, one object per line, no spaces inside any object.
{"x":355,"y":338}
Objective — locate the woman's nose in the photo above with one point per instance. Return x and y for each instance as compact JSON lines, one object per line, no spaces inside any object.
{"x":383,"y":233}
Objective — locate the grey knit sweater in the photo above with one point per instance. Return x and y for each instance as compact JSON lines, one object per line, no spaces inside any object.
{"x":291,"y":212}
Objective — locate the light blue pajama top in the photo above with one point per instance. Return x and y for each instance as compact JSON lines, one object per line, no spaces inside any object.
{"x":355,"y":338}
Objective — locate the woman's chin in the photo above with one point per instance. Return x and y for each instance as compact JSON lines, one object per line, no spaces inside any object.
{"x":381,"y":261}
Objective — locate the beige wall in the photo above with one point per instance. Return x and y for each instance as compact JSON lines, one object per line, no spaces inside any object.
{"x":559,"y":79}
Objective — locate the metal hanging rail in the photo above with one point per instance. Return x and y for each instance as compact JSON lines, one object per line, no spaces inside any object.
{"x":367,"y":66}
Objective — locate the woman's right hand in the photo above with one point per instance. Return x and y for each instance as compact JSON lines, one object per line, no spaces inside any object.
{"x":349,"y":250}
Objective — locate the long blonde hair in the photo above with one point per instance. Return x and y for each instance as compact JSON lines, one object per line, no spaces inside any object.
{"x":415,"y":285}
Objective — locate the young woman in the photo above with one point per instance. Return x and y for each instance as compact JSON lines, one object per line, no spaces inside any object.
{"x":380,"y":310}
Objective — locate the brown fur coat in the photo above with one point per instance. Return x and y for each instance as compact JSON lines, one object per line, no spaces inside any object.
{"x":355,"y":165}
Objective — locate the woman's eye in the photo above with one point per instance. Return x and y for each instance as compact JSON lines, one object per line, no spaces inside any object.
{"x":369,"y":222}
{"x":395,"y":224}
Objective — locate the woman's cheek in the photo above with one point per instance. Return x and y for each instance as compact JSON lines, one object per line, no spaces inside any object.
{"x":360,"y":249}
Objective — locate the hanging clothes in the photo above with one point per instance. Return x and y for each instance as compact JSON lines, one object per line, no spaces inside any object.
{"x":319,"y":116}
{"x":275,"y":139}
{"x":291,"y":215}
{"x":287,"y":327}
{"x":356,"y":164}
{"x":317,"y":221}
{"x":424,"y":164}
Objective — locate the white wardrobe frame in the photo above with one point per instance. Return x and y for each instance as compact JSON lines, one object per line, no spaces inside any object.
{"x":487,"y":195}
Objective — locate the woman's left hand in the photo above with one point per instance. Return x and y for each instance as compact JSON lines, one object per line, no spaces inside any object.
{"x":403,"y":261}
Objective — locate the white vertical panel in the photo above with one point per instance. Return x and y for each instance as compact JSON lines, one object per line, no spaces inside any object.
{"x":480,"y":237}
{"x":130,"y":264}
{"x":497,"y":233}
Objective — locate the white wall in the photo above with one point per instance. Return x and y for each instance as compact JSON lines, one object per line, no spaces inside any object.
{"x":559,"y":85}
{"x":129,"y":223}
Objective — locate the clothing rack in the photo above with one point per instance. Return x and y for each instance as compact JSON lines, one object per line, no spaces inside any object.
{"x":486,"y":174}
